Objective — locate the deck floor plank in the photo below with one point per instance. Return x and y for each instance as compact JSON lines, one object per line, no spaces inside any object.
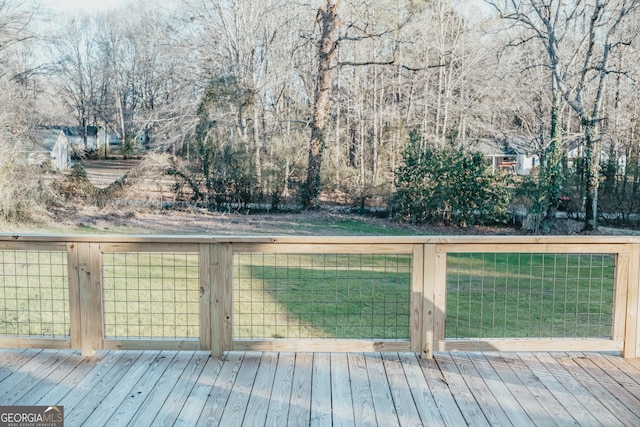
{"x":500,"y":390}
{"x":626,"y":373}
{"x":236,"y":406}
{"x":321,"y":390}
{"x":99,"y":384}
{"x":422,"y":396}
{"x":597,"y":388}
{"x":380,"y":392}
{"x":449,"y":410}
{"x":559,"y":390}
{"x":199,"y":394}
{"x":215,"y":404}
{"x":188,"y":388}
{"x":537,"y":388}
{"x":619,"y":375}
{"x":58,"y":394}
{"x":22,"y":379}
{"x":258,"y":405}
{"x":278,"y":411}
{"x":341,"y":396}
{"x":523,"y":395}
{"x":300,"y":404}
{"x":176,"y":399}
{"x":408,"y":414}
{"x":14,"y":358}
{"x":617,"y":390}
{"x":140,"y":391}
{"x":73,"y":361}
{"x":487,"y":402}
{"x":157,"y":397}
{"x":461,"y":391}
{"x":117,"y":396}
{"x":30,"y":382}
{"x":363,"y":408}
{"x":579,"y":391}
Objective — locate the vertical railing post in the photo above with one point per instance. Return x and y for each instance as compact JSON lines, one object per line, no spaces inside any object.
{"x":75,"y":318}
{"x":439,"y":263}
{"x":632,"y":328}
{"x":221,"y":261}
{"x":205,"y":275}
{"x":90,"y":297}
{"x":434,"y":286}
{"x":621,"y":292}
{"x":418,"y":300}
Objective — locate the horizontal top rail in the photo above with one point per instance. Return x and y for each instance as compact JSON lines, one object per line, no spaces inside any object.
{"x":414,"y":239}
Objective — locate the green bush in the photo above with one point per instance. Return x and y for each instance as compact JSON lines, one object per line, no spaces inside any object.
{"x":449,"y":186}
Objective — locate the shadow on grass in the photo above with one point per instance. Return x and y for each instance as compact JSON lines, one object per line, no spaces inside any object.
{"x":286,"y":302}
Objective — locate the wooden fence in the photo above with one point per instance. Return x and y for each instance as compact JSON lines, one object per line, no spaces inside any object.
{"x":190,"y":292}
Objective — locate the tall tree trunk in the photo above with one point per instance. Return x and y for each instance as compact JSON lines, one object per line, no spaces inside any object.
{"x":327,"y":47}
{"x":374,"y":140}
{"x":552,"y":167}
{"x":592,"y":171}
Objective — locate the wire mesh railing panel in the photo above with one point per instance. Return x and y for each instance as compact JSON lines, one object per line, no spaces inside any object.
{"x":151,"y":295}
{"x":530,"y":295}
{"x":34,"y":297}
{"x":316,"y":296}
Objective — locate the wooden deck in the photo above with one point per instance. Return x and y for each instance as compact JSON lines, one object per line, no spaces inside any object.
{"x":140,"y":388}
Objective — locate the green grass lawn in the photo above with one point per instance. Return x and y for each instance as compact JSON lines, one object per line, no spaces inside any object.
{"x":34,"y":297}
{"x":529,"y":295}
{"x":322,"y":296}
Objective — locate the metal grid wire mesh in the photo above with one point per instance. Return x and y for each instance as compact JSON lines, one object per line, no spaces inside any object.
{"x":356,"y":296}
{"x":496,"y":295}
{"x":34,"y":295}
{"x":151,"y":295}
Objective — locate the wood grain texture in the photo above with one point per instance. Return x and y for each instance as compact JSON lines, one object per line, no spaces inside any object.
{"x":188,"y":388}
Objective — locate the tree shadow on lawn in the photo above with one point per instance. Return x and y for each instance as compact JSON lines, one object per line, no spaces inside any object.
{"x":287,"y":302}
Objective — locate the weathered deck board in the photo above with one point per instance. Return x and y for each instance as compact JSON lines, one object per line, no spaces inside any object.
{"x":157,"y":396}
{"x":136,"y":396}
{"x":595,"y":386}
{"x":559,"y":390}
{"x":239,"y":398}
{"x":72,"y":362}
{"x":140,"y":388}
{"x":299,"y":410}
{"x":578,"y":391}
{"x":341,"y":396}
{"x":487,"y":402}
{"x":321,"y":390}
{"x":198,"y":397}
{"x":449,"y":410}
{"x":381,"y":393}
{"x":464,"y":395}
{"x":363,"y":409}
{"x":219,"y":394}
{"x":281,"y":392}
{"x":258,"y":406}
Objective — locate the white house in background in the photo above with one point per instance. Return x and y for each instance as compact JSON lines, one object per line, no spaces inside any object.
{"x":54,"y":146}
{"x":74,"y":136}
{"x":513,"y":154}
{"x":576,"y":151}
{"x":76,"y":140}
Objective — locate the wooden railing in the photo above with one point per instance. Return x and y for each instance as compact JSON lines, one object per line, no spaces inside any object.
{"x":320,"y":293}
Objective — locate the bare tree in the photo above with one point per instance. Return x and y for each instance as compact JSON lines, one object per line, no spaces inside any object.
{"x":77,"y":67}
{"x":578,"y":38}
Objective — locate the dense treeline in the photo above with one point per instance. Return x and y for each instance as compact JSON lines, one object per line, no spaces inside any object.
{"x":284,"y":103}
